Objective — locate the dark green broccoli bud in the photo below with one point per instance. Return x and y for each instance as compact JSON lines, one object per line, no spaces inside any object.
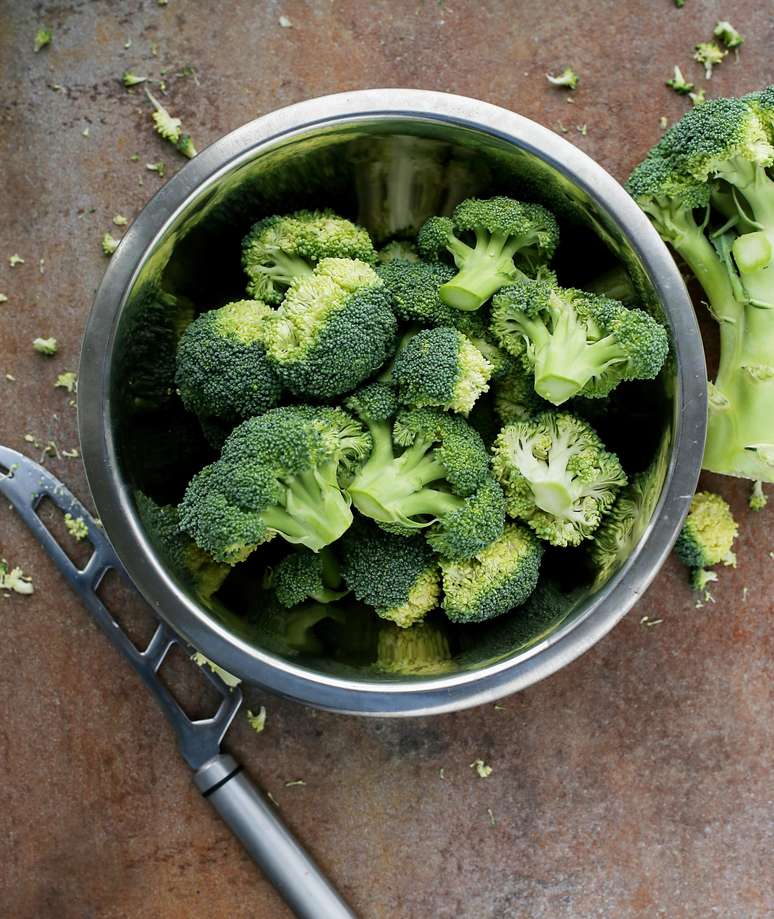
{"x":557,"y":476}
{"x":333,"y":330}
{"x":441,"y":367}
{"x":430,"y":470}
{"x":222,"y":368}
{"x":279,"y":250}
{"x":575,"y":342}
{"x":708,"y":534}
{"x":179,"y":552}
{"x":515,"y":398}
{"x":504,"y":230}
{"x":397,"y":576}
{"x":495,"y":580}
{"x":397,"y":250}
{"x":422,"y":650}
{"x":279,"y":473}
{"x":373,"y":402}
{"x":306,"y":575}
{"x":413,"y":288}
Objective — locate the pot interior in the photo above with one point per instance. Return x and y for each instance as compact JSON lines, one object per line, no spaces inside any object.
{"x":389,"y":174}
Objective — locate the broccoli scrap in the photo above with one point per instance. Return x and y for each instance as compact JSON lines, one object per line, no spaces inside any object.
{"x":707,"y":536}
{"x":170,"y":128}
{"x":728,"y":34}
{"x":679,"y":84}
{"x":15,"y":260}
{"x":710,"y":54}
{"x":76,"y":527}
{"x":228,"y":678}
{"x":131,"y":79}
{"x":68,"y":381}
{"x":257,"y":721}
{"x":109,"y":244}
{"x":758,"y":498}
{"x":47,"y":346}
{"x":482,"y":769}
{"x":568,"y":78}
{"x":43,"y":38}
{"x":14,"y":579}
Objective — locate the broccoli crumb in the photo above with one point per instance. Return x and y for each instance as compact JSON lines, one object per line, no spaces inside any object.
{"x":10,"y":377}
{"x":228,"y":678}
{"x":15,"y":260}
{"x":710,"y":54}
{"x":134,"y":157}
{"x":43,"y":38}
{"x":14,"y":579}
{"x":285,"y":22}
{"x":698,"y":98}
{"x":582,"y":129}
{"x":68,"y":381}
{"x":258,"y":721}
{"x":159,"y":168}
{"x":3,"y":298}
{"x":120,"y":221}
{"x":71,"y":454}
{"x":492,"y":821}
{"x":47,"y":346}
{"x":649,"y":623}
{"x":728,"y":34}
{"x":109,"y":244}
{"x":679,"y":4}
{"x":663,"y":122}
{"x":758,"y":498}
{"x":294,"y":782}
{"x":85,"y":132}
{"x":76,"y":527}
{"x":679,"y":84}
{"x":483,"y":770}
{"x":130,"y":79}
{"x":568,"y":78}
{"x":170,"y":128}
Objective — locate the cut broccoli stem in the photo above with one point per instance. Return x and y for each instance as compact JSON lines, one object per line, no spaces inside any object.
{"x":487,"y":268}
{"x":315,"y":514}
{"x":286,"y":268}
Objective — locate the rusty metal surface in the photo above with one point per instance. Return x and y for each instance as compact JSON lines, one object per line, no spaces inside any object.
{"x":633,"y":783}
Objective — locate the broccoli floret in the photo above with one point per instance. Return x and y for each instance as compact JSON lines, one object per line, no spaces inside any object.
{"x":710,"y":54}
{"x":678,"y":83}
{"x":495,"y":580}
{"x":279,"y":250}
{"x":422,"y":649}
{"x":306,"y":575}
{"x":568,"y":78}
{"x":706,"y":188}
{"x":441,"y":367}
{"x":278,"y":473}
{"x":222,"y":369}
{"x":758,"y":498}
{"x":181,"y":555}
{"x":397,"y":250}
{"x":574,"y":342}
{"x":557,"y":476}
{"x":708,"y":534}
{"x":504,"y":230}
{"x":398,"y":576}
{"x":333,"y":330}
{"x":413,"y":288}
{"x":427,"y":471}
{"x":514,"y":395}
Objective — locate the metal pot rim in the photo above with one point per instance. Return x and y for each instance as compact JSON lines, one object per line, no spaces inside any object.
{"x":406,"y":696}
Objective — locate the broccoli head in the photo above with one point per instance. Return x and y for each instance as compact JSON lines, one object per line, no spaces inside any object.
{"x":413,"y":288}
{"x":306,"y":575}
{"x":441,"y":367}
{"x":557,"y":476}
{"x":708,"y":534}
{"x":495,"y":580}
{"x":421,"y":650}
{"x":222,"y":368}
{"x":575,"y":342}
{"x":399,"y":249}
{"x":334,"y":329}
{"x":278,"y":473}
{"x":279,"y":250}
{"x":509,"y":238}
{"x":428,"y":470}
{"x":398,"y":576}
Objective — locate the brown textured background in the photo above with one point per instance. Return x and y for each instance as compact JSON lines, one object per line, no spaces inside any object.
{"x":633,"y":783}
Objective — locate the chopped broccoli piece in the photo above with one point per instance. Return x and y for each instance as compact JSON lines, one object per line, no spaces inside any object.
{"x":727,"y":34}
{"x":498,"y":578}
{"x":557,"y":476}
{"x":47,"y":346}
{"x":166,"y":126}
{"x":503,"y":230}
{"x":158,"y":168}
{"x":482,"y":769}
{"x":706,"y":188}
{"x":413,"y":288}
{"x":120,"y":221}
{"x":228,"y":678}
{"x":109,"y":244}
{"x":76,"y":527}
{"x":68,"y":381}
{"x":15,"y":260}
{"x":257,"y":721}
{"x":130,"y":79}
{"x":222,"y":368}
{"x":568,"y":78}
{"x":758,"y":498}
{"x":306,"y":575}
{"x":3,"y":298}
{"x":279,"y":250}
{"x":333,"y":330}
{"x":701,"y":579}
{"x":708,"y":534}
{"x":574,"y":342}
{"x":441,"y":367}
{"x":43,"y":38}
{"x":679,"y":84}
{"x":278,"y":474}
{"x":421,"y":649}
{"x":186,"y":146}
{"x":397,"y":575}
{"x":710,"y":54}
{"x":699,"y":97}
{"x":14,"y":579}
{"x":430,"y":471}
{"x":398,"y":249}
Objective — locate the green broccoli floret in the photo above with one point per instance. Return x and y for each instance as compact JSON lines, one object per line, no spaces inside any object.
{"x":279,"y":250}
{"x":514,"y":395}
{"x":333,"y":330}
{"x":397,"y":250}
{"x":180,"y":554}
{"x":441,"y":367}
{"x":707,"y":536}
{"x":557,"y":476}
{"x":278,"y":473}
{"x":574,"y":342}
{"x":710,"y":54}
{"x":43,"y":38}
{"x":398,"y":576}
{"x":504,"y":230}
{"x":727,"y":34}
{"x":306,"y":575}
{"x":495,"y":580}
{"x":422,"y":650}
{"x":428,"y":470}
{"x":707,"y":189}
{"x":758,"y":498}
{"x":413,"y":288}
{"x":678,"y":83}
{"x":568,"y":79}
{"x":222,"y":368}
